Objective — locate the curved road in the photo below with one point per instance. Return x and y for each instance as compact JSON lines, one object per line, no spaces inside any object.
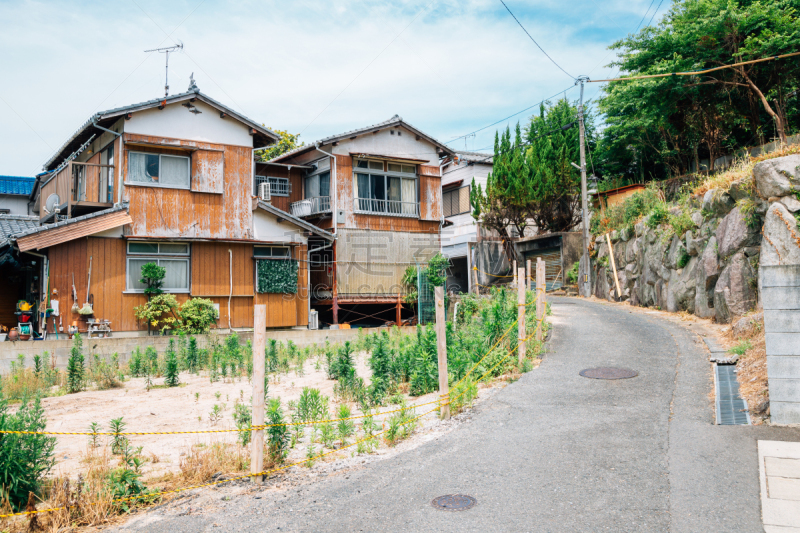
{"x":554,"y":451}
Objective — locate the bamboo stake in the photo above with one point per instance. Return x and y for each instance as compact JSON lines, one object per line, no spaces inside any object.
{"x":441,"y":348}
{"x":259,"y":371}
{"x":521,"y":316}
{"x":613,"y":265}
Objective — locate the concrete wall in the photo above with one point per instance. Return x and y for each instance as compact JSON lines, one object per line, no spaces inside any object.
{"x":9,"y":351}
{"x":16,"y":204}
{"x":781,"y":298}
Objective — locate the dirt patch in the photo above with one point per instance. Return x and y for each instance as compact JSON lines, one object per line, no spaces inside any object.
{"x":751,"y":369}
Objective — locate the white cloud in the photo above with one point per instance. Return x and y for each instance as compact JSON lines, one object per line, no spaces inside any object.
{"x":456,"y":67}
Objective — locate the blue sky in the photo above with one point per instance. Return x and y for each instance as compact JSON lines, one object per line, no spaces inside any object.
{"x":448,"y":67}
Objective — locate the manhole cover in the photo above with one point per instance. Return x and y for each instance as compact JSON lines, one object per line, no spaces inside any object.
{"x":454,"y":502}
{"x":609,"y":373}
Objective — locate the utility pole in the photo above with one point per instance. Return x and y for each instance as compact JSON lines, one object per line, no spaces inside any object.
{"x":584,"y":201}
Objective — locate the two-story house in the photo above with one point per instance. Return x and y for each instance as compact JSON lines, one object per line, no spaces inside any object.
{"x":378,"y":190}
{"x":169,"y":181}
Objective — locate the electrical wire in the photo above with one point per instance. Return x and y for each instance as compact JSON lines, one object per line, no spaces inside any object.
{"x":512,"y":116}
{"x":534,"y":41}
{"x":645,"y":15}
{"x":654,"y":13}
{"x":528,"y":142}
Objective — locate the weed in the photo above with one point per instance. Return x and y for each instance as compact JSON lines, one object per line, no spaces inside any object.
{"x":75,"y":366}
{"x":217,"y":395}
{"x":465,"y":393}
{"x":741,"y":348}
{"x":215,"y":415}
{"x":344,"y":428}
{"x":196,"y":397}
{"x":94,"y":428}
{"x":278,"y":434}
{"x":243,"y":418}
{"x":684,"y":258}
{"x":171,"y":370}
{"x":117,"y":426}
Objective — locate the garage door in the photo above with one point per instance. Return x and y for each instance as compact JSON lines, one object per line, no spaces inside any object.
{"x":552,"y":265}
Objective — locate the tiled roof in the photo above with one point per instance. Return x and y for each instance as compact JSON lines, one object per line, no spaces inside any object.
{"x":12,"y":225}
{"x":475,"y":157}
{"x":38,"y":228}
{"x":21,"y":185}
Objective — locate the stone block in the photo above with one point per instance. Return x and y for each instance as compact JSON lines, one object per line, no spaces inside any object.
{"x":733,"y":233}
{"x":783,"y":344}
{"x":777,"y":298}
{"x":784,"y":413}
{"x":784,"y":390}
{"x":718,"y":202}
{"x":777,"y":177}
{"x":781,"y":242}
{"x":783,"y":367}
{"x":782,"y":321}
{"x":780,"y":276}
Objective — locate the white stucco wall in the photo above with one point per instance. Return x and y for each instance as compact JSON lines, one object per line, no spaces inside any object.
{"x":394,"y":141}
{"x":177,"y":122}
{"x":464,"y":228}
{"x":16,"y":204}
{"x":267,"y":228}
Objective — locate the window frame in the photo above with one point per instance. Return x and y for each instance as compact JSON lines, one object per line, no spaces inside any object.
{"x":453,"y":190}
{"x":318,"y":172}
{"x":128,"y":181}
{"x":156,"y":257}
{"x":386,"y":174}
{"x":271,"y":256}
{"x":277,"y":179}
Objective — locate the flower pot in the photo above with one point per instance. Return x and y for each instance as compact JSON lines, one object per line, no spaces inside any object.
{"x":13,"y":335}
{"x":3,"y":336}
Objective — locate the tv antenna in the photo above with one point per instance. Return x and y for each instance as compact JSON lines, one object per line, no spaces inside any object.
{"x":167,"y":50}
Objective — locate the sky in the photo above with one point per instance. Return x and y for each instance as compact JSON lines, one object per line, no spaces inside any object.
{"x":449,"y":67}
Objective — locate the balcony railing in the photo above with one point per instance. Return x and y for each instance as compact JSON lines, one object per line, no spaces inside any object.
{"x":85,"y":186}
{"x":311,"y":206}
{"x":395,"y":208}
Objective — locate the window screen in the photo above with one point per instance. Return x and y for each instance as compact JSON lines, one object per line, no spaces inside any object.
{"x":158,"y":169}
{"x":456,"y":202}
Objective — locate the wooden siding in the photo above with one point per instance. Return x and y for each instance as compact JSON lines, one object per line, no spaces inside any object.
{"x":295,"y":176}
{"x":430,"y":193}
{"x":209,"y":272}
{"x":176,"y":213}
{"x":211,"y":266}
{"x":208,"y":169}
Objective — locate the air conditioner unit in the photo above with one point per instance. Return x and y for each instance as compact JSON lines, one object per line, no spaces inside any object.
{"x":263,"y":192}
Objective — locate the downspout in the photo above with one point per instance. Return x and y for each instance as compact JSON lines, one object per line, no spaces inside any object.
{"x":334,"y":212}
{"x":230,"y":294}
{"x":119,"y":156}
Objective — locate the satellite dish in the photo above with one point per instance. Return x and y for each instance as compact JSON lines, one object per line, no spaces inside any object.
{"x":52,"y":202}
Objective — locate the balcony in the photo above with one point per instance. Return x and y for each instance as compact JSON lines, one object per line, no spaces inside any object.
{"x":394,"y":208}
{"x":78,"y":189}
{"x":311,"y":206}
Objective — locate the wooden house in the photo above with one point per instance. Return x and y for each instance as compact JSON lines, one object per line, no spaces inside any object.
{"x":378,"y":190}
{"x":169,"y":181}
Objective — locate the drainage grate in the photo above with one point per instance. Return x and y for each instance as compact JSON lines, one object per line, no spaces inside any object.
{"x":454,"y":502}
{"x":608,"y":373}
{"x":731,"y":408}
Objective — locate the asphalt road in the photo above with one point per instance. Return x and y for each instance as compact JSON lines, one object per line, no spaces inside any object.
{"x":553,"y":452}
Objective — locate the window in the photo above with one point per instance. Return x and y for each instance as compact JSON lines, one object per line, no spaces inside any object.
{"x":456,"y":201}
{"x":159,"y":170}
{"x":318,"y":185}
{"x":277,"y":186}
{"x":273,"y":252}
{"x":393,"y":191}
{"x":173,"y":256}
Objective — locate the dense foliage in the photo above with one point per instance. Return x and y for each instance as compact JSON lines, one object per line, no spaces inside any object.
{"x":287,"y":142}
{"x":153,"y":276}
{"x":662,"y":127}
{"x":276,"y":276}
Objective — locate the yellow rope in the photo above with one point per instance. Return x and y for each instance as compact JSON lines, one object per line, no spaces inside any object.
{"x":213,"y":483}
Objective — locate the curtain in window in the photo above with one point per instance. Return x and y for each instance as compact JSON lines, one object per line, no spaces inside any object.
{"x":394,"y":196}
{"x":135,"y":273}
{"x":363,"y":191}
{"x":174,"y":171}
{"x":137,"y":167}
{"x":177,"y":273}
{"x":409,"y":197}
{"x":312,"y":186}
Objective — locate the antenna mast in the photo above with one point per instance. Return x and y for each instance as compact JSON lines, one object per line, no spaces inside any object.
{"x":167,"y":50}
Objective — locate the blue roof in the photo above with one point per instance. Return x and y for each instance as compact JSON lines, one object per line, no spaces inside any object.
{"x":16,"y":185}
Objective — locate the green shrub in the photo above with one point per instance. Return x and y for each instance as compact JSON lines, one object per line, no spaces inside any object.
{"x":741,"y":348}
{"x":572,"y":273}
{"x":171,"y":367}
{"x":681,"y":222}
{"x":683,"y":260}
{"x":192,"y":355}
{"x":344,"y":428}
{"x":198,"y":315}
{"x":277,"y":434}
{"x":748,"y":209}
{"x":153,"y":276}
{"x":658,"y":216}
{"x":243,"y":418}
{"x":159,"y":312}
{"x":25,"y":460}
{"x":75,"y":366}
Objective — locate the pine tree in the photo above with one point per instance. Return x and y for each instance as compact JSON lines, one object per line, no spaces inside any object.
{"x":75,"y":365}
{"x":171,"y":372}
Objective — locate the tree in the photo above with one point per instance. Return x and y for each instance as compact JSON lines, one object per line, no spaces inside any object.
{"x":532,"y":182}
{"x":288,"y":141}
{"x":153,"y":276}
{"x":171,"y":366}
{"x":667,"y":124}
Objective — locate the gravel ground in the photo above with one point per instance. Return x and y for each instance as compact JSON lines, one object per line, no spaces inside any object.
{"x":552,"y":452}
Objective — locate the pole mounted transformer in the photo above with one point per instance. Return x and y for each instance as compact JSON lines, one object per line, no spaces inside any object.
{"x":585,"y":284}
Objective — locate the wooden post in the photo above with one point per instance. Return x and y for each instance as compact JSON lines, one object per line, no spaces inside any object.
{"x":335,"y":292}
{"x":528,"y":274}
{"x":399,"y":308}
{"x":521,"y":317}
{"x":613,"y":265}
{"x":441,"y":348}
{"x":541,"y":287}
{"x":259,"y":345}
{"x":515,"y":271}
{"x":477,"y":287}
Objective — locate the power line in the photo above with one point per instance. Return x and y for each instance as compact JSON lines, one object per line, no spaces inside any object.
{"x":654,"y":12}
{"x":696,"y":72}
{"x":645,"y":15}
{"x":534,"y":41}
{"x":528,"y":142}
